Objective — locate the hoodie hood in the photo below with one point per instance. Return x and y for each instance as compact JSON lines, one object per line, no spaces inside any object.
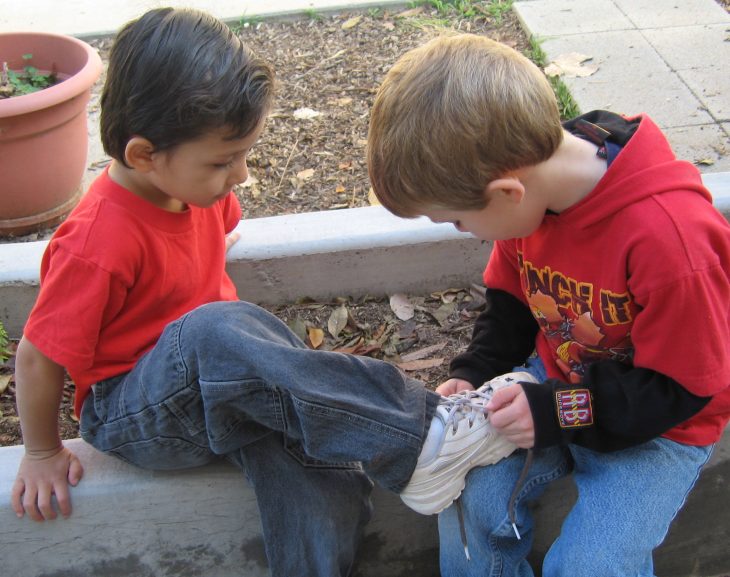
{"x":646,"y":166}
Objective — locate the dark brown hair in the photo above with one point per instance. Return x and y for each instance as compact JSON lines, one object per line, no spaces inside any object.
{"x":177,"y":74}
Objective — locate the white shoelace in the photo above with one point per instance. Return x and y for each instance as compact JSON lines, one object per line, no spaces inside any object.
{"x":469,"y":404}
{"x":465,"y":405}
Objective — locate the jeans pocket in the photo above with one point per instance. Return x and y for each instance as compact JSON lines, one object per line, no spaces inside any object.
{"x":166,"y":435}
{"x":296,"y":451}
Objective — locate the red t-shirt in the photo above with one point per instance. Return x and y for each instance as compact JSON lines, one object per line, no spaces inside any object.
{"x":118,"y":271}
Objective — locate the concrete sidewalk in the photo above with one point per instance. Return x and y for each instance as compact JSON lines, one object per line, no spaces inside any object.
{"x":93,"y":18}
{"x":665,"y":58}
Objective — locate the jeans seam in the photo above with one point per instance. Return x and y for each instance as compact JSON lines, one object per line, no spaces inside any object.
{"x":497,"y":560}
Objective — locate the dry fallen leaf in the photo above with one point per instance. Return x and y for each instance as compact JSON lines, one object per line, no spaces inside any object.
{"x":443,"y":313}
{"x":571,"y":65}
{"x":305,"y":174}
{"x":372,"y":199}
{"x":250,"y":181}
{"x":423,"y":353}
{"x":402,"y":307}
{"x":409,"y":13}
{"x":337,"y":321}
{"x":448,"y":295}
{"x":298,"y":327}
{"x":316,"y":336}
{"x":421,"y":364}
{"x":352,"y":22}
{"x":4,"y":382}
{"x":705,"y":162}
{"x":305,"y":114}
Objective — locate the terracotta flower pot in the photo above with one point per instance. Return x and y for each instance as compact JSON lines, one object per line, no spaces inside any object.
{"x":43,"y":135}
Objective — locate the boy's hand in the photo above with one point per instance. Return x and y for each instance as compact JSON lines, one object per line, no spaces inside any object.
{"x":232,"y":239}
{"x":453,"y":386}
{"x":510,"y":415}
{"x":39,"y":478}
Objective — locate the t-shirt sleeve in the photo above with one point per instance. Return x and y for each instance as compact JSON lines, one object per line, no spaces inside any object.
{"x":683,"y":331}
{"x":502,"y":270}
{"x":231,"y":212}
{"x":74,"y":299}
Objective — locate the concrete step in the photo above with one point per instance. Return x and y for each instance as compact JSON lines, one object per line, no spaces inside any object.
{"x":129,"y":522}
{"x":351,"y":252}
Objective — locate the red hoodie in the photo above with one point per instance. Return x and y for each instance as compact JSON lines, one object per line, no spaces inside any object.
{"x":630,"y":291}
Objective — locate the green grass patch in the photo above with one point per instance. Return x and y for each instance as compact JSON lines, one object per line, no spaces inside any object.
{"x":469,"y":9}
{"x":566,"y":105}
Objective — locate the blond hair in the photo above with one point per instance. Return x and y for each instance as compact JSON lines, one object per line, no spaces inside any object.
{"x":453,"y":115}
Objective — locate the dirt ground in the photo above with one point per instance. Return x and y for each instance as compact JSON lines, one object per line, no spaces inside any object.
{"x":311,"y":157}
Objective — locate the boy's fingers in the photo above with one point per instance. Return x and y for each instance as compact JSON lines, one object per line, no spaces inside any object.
{"x":16,"y":497}
{"x":232,"y":239}
{"x":45,"y":504}
{"x":453,"y":386}
{"x":502,"y":397}
{"x":75,"y":471}
{"x":63,"y":497}
{"x":30,"y":498}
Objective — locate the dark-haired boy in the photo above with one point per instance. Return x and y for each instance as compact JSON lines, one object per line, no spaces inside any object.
{"x":171,"y":370}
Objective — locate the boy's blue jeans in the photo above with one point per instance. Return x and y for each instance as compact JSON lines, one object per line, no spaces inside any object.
{"x":626,"y":501}
{"x":306,"y":426}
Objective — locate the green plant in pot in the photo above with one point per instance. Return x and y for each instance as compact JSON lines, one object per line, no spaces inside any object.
{"x":19,"y":82}
{"x":43,"y":127}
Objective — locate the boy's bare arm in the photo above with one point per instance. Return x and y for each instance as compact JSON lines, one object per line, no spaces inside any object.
{"x":47,"y":467}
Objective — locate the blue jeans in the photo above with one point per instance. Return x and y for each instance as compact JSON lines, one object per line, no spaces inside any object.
{"x":307,"y":427}
{"x":626,"y":502}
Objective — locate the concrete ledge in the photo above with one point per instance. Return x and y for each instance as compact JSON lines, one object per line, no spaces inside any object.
{"x":205,"y":521}
{"x":136,"y":523}
{"x":351,"y":252}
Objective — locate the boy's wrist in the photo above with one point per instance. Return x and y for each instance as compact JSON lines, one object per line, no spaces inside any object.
{"x":40,"y":454}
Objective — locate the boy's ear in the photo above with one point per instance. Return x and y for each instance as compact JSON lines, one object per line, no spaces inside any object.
{"x":509,"y":187}
{"x":139,"y":154}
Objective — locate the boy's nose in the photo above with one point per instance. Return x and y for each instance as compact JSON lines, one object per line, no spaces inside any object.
{"x":239,"y":173}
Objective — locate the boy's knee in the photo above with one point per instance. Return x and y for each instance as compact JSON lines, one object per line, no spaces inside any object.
{"x":223,"y":310}
{"x":236,"y":321}
{"x":606,"y":557}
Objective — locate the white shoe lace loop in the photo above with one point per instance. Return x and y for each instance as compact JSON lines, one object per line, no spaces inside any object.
{"x":465,"y":405}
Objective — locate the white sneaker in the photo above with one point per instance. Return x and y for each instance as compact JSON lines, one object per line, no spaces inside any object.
{"x":460,"y":438}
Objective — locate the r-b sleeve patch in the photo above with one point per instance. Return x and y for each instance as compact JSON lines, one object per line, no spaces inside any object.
{"x":574,"y":408}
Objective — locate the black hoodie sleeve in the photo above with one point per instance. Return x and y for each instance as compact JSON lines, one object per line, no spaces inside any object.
{"x":614,"y":407}
{"x":504,"y":336}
